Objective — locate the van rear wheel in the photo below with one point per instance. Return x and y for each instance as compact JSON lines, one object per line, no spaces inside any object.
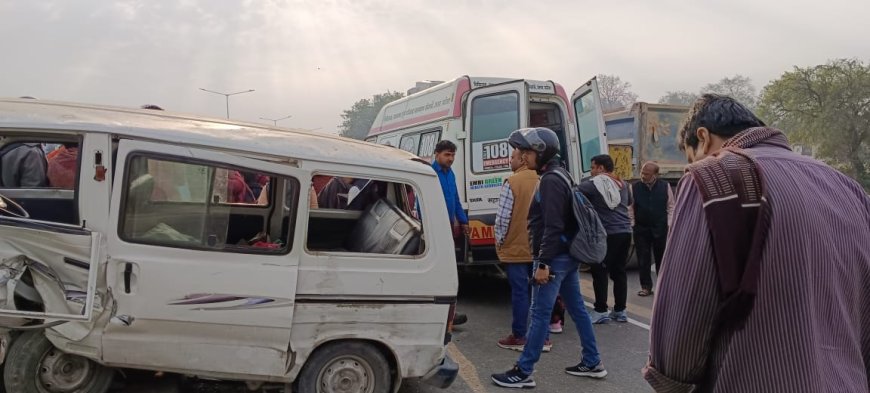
{"x":34,"y":365}
{"x":345,"y":367}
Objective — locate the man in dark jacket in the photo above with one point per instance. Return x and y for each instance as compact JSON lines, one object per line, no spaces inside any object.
{"x":652,"y":209}
{"x":611,"y":198}
{"x":551,"y":221}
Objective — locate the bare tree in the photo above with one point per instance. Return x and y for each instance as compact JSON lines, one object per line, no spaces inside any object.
{"x":615,"y":93}
{"x":679,"y":97}
{"x":739,"y":87}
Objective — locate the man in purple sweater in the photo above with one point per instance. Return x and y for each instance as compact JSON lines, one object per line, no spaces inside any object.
{"x":765,"y":278}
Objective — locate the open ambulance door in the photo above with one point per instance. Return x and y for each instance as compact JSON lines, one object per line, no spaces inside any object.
{"x":591,"y":134}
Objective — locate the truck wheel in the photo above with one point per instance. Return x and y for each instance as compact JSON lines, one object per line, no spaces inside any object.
{"x":344,"y":367}
{"x":34,"y":365}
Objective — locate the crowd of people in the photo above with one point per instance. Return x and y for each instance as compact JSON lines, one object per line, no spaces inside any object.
{"x":761,"y":255}
{"x":760,"y":258}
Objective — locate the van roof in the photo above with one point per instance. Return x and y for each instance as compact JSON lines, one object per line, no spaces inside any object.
{"x":201,"y":131}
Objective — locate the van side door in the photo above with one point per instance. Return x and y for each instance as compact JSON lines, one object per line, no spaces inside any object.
{"x":203,"y":279}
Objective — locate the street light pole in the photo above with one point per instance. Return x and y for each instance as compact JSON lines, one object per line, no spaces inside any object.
{"x":227,"y":96}
{"x":275,"y":121}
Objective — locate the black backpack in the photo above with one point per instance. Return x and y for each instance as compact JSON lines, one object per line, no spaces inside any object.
{"x":589,"y":245}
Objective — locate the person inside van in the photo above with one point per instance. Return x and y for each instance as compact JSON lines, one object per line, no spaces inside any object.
{"x":23,"y":166}
{"x":334,"y":195}
{"x":445,"y":154}
{"x":63,"y":166}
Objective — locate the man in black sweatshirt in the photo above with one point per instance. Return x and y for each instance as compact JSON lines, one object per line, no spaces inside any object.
{"x":551,"y":226}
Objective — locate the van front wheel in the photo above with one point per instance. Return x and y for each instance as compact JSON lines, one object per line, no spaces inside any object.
{"x":345,"y":367}
{"x":34,"y":365}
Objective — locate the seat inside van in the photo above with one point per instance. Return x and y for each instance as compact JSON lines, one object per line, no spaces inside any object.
{"x":382,"y":228}
{"x":385,"y":229}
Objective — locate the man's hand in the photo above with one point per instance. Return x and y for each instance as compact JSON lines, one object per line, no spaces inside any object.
{"x":542,"y":274}
{"x":466,"y":229}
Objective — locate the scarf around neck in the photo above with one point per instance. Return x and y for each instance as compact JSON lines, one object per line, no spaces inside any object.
{"x":738,"y":215}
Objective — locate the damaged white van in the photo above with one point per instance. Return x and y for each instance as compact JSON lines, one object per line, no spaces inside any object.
{"x":138,"y":239}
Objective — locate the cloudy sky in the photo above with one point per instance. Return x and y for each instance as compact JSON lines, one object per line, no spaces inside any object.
{"x":311,"y":59}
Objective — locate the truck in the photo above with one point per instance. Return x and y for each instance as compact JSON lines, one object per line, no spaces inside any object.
{"x":646,"y":132}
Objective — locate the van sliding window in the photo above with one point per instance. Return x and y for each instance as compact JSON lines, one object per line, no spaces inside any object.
{"x":204,"y":206}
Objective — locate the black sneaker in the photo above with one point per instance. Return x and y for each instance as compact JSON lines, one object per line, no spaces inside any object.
{"x":459,"y":319}
{"x":585,"y":371}
{"x":514,"y":378}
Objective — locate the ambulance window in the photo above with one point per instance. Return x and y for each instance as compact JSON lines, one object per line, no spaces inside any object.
{"x":427,"y":144}
{"x":196,"y":205}
{"x":493,"y":118}
{"x":588,"y":128}
{"x":409,"y":143}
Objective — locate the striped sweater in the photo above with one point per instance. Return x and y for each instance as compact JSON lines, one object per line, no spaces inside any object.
{"x":809,"y":330}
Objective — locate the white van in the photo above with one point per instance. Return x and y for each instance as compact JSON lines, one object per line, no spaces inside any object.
{"x":478,"y":114}
{"x":182,"y":244}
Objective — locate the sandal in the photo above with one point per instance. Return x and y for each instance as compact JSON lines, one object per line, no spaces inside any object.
{"x":645,"y":292}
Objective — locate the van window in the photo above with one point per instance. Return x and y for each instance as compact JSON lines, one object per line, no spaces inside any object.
{"x":588,"y":129}
{"x":179,"y":203}
{"x":493,"y":118}
{"x":362,"y":215}
{"x":40,"y":173}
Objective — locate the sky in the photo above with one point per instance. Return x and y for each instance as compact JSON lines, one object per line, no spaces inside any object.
{"x":312,"y":59}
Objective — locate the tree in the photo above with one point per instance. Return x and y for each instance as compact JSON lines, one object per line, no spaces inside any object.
{"x":614,"y":93}
{"x":739,"y":88}
{"x":679,"y":97}
{"x":357,"y":120}
{"x":827,"y":107}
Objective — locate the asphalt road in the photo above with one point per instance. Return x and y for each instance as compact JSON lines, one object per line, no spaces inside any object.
{"x":486,"y":301}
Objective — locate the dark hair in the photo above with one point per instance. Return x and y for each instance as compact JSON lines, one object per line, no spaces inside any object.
{"x":445,"y":145}
{"x":721,"y":115}
{"x":605,"y":161}
{"x":152,"y":107}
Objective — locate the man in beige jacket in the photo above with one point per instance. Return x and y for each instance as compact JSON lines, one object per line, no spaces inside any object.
{"x":512,"y":246}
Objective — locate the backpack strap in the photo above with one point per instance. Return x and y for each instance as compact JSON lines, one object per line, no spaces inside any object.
{"x":564,"y":177}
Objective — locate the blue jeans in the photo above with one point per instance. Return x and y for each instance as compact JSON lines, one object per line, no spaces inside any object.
{"x":518,"y":276}
{"x":566,"y":283}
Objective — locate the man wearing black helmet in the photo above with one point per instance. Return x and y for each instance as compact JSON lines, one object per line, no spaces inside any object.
{"x":551,"y":224}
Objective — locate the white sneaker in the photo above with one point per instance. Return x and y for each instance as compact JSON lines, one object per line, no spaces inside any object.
{"x":599,"y":318}
{"x":556,"y":328}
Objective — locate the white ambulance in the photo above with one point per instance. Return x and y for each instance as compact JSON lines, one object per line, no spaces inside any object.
{"x":478,"y":114}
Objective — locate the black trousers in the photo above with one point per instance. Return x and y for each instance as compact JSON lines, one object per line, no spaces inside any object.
{"x":649,"y":245}
{"x":614,"y":266}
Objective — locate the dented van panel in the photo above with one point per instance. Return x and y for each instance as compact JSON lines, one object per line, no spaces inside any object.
{"x":56,"y":265}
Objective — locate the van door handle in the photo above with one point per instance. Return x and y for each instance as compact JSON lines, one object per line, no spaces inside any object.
{"x":128,"y":276}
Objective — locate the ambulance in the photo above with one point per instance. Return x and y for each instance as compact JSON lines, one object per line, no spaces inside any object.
{"x":478,"y":114}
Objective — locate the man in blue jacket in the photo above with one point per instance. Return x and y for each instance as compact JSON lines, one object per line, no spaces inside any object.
{"x":445,"y":154}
